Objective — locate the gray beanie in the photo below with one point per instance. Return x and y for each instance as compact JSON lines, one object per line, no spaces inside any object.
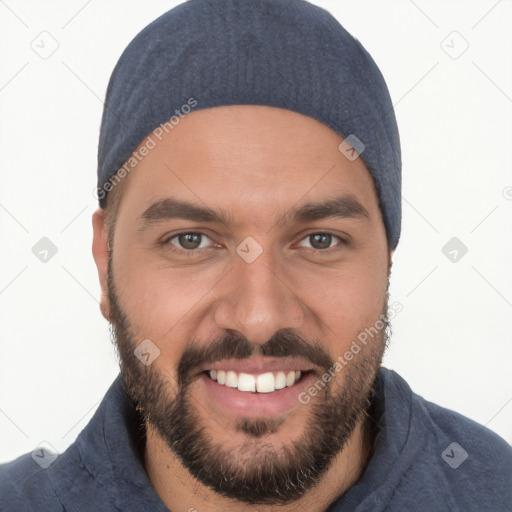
{"x":282,"y":53}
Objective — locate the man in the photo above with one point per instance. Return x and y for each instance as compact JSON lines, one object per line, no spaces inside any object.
{"x":249,"y":187}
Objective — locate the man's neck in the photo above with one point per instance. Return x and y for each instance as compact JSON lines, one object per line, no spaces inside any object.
{"x":179,"y":490}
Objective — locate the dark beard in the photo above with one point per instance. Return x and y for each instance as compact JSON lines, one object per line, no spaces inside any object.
{"x":255,"y":473}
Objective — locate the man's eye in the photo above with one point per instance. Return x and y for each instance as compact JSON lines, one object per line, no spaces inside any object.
{"x":320,"y":241}
{"x":192,"y":241}
{"x":189,"y":241}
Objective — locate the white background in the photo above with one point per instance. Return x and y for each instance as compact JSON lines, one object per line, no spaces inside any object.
{"x":451,"y":342}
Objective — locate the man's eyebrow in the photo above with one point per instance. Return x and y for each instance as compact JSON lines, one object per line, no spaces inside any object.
{"x":171,"y":208}
{"x":345,"y":206}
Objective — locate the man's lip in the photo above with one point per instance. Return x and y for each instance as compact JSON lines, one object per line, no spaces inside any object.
{"x":223,"y":400}
{"x":258,"y":365}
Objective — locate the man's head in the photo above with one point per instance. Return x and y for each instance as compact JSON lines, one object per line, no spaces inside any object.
{"x":241,"y":256}
{"x":313,"y":276}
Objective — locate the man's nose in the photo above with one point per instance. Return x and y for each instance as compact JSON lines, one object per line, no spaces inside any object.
{"x":257,"y":299}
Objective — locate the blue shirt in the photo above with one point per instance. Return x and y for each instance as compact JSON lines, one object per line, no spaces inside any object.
{"x":425,"y":458}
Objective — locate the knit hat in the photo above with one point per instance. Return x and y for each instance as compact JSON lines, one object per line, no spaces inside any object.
{"x":283,"y":53}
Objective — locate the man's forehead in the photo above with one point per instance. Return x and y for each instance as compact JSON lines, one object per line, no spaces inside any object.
{"x":260,"y":156}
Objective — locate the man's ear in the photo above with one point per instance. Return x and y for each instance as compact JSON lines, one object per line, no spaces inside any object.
{"x":100,"y":252}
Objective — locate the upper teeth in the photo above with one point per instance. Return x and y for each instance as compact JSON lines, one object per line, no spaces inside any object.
{"x":263,"y":383}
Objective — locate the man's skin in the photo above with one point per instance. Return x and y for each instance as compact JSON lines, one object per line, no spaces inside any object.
{"x":256,"y":164}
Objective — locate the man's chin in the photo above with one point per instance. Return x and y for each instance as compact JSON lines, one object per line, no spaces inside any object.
{"x":248,"y":436}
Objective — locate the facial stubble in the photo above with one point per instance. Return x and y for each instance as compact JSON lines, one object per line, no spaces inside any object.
{"x":256,"y":472}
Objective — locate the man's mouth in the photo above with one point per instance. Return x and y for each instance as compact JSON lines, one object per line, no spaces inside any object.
{"x":267,"y":382}
{"x":256,"y":387}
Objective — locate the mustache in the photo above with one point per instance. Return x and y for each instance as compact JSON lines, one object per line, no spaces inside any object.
{"x":285,"y":342}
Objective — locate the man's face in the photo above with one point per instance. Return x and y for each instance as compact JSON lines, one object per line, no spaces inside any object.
{"x":269,"y":290}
